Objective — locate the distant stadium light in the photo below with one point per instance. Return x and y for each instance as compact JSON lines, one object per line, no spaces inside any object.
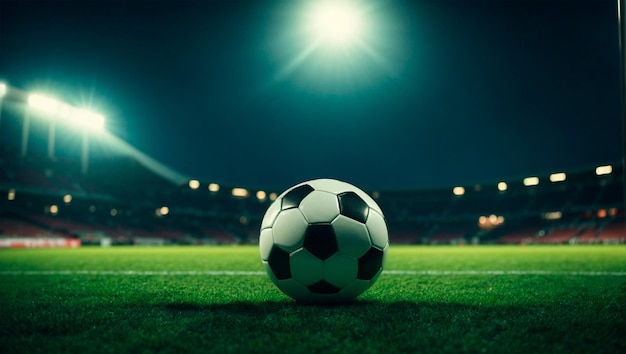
{"x":214,"y":187}
{"x":162,"y":211}
{"x":604,"y":170}
{"x":240,"y":192}
{"x":43,"y":103}
{"x":67,"y":198}
{"x":490,"y":222}
{"x":557,"y":177}
{"x":553,"y":215}
{"x":54,"y":209}
{"x":458,"y":190}
{"x":194,"y":184}
{"x":273,"y":196}
{"x":502,"y":186}
{"x":261,"y":195}
{"x":3,"y":89}
{"x":531,"y":181}
{"x":11,"y":194}
{"x":113,"y":212}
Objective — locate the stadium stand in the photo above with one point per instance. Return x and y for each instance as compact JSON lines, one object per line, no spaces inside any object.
{"x":119,"y":201}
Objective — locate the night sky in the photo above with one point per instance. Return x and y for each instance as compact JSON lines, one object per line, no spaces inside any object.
{"x":435,"y":93}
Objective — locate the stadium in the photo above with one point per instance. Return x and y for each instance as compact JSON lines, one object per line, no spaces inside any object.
{"x":104,"y":246}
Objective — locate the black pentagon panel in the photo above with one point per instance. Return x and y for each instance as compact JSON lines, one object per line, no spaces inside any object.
{"x":352,"y":206}
{"x":279,"y":262}
{"x":293,"y":198}
{"x":370,"y":263}
{"x":323,"y":287}
{"x":320,"y":240}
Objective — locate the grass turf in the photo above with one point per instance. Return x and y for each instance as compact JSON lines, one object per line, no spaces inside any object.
{"x":110,"y":311}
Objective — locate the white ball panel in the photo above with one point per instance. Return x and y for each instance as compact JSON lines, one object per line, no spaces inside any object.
{"x":305,"y":267}
{"x":265,"y":243}
{"x":320,"y":206}
{"x":355,"y":289}
{"x":289,"y":228}
{"x":352,"y":236}
{"x":340,"y":270}
{"x":330,"y":185}
{"x":377,"y":229}
{"x":270,"y":214}
{"x":336,"y":187}
{"x":294,"y":289}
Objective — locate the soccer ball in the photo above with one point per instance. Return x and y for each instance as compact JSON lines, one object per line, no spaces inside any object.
{"x":323,"y":241}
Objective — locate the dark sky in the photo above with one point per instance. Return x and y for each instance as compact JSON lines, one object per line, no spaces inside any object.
{"x":437,"y":93}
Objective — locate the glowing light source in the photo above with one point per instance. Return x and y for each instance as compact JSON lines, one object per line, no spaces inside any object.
{"x":67,"y":198}
{"x":273,"y":196}
{"x":194,"y":184}
{"x":490,"y":222}
{"x":54,"y":209}
{"x":557,"y":177}
{"x":604,"y":170}
{"x":3,"y":89}
{"x":162,"y":211}
{"x":531,"y":181}
{"x":240,"y":192}
{"x":502,"y":186}
{"x":261,"y":195}
{"x":85,"y":118}
{"x":552,"y":215}
{"x":214,"y":187}
{"x":11,"y":194}
{"x":336,"y":22}
{"x":43,"y":103}
{"x":458,"y":190}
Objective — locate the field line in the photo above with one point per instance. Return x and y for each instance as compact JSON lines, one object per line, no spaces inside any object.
{"x":247,"y":273}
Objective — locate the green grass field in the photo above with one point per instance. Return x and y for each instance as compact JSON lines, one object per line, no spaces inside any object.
{"x":215,"y":299}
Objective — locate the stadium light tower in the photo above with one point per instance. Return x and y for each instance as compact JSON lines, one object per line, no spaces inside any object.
{"x":51,"y":108}
{"x":90,"y":122}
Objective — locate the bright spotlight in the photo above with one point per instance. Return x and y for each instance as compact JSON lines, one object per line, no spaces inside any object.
{"x":3,"y":89}
{"x":87,"y":119}
{"x":336,"y":22}
{"x":43,"y":103}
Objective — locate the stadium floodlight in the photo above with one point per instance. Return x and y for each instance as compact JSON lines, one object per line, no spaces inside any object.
{"x":261,"y":195}
{"x":87,"y":119}
{"x":336,"y":22}
{"x":458,"y":190}
{"x":214,"y":187}
{"x":604,"y":170}
{"x":531,"y":181}
{"x":240,"y":192}
{"x":502,"y":186}
{"x":194,"y":184}
{"x":558,"y":177}
{"x":43,"y":103}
